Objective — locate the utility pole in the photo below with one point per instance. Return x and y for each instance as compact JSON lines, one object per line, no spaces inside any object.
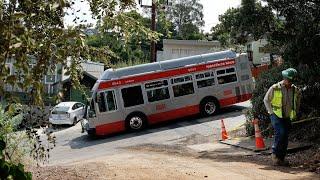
{"x":153,"y":50}
{"x":153,"y":7}
{"x":153,"y":28}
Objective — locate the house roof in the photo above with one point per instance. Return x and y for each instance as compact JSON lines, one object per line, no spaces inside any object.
{"x":191,"y":42}
{"x":84,"y":73}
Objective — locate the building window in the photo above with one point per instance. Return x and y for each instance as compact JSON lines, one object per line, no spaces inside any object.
{"x":132,"y":96}
{"x":184,"y":86}
{"x":157,"y":90}
{"x":226,"y":76}
{"x":50,"y":79}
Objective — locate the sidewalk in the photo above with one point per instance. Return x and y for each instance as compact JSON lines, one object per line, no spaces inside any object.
{"x":249,"y":144}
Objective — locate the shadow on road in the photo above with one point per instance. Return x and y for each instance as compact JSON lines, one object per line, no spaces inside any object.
{"x":86,"y":141}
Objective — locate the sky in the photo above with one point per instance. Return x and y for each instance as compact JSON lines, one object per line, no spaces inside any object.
{"x":213,"y":8}
{"x":211,"y":11}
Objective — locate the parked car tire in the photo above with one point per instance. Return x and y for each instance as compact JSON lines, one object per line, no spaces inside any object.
{"x":75,"y":121}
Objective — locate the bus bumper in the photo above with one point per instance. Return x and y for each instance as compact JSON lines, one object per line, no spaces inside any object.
{"x":85,"y":127}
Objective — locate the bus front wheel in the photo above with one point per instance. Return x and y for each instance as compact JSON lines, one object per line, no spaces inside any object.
{"x":136,"y":122}
{"x":208,"y":107}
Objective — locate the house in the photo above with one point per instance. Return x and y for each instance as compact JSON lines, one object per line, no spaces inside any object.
{"x":48,"y":80}
{"x":173,"y":48}
{"x":57,"y":81}
{"x":257,"y":52}
{"x":91,"y":73}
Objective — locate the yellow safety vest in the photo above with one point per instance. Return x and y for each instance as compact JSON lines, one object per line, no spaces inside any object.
{"x":276,"y":102}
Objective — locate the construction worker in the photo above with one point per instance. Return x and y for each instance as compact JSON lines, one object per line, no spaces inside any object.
{"x":282,"y":102}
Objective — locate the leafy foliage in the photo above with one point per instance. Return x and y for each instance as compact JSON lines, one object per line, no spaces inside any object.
{"x":293,"y":32}
{"x":33,"y":37}
{"x":12,"y":145}
{"x":9,"y":170}
{"x":33,"y":32}
{"x":187,"y":18}
{"x":263,"y":83}
{"x":250,"y":21}
{"x":298,"y":36}
{"x":136,"y":48}
{"x":309,"y":101}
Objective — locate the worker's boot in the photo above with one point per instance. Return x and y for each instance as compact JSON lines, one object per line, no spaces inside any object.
{"x":284,"y":163}
{"x":275,"y":160}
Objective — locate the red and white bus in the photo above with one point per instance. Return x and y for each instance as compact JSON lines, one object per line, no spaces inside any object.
{"x":134,"y":97}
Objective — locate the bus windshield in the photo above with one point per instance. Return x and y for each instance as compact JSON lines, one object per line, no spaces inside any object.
{"x":92,"y":112}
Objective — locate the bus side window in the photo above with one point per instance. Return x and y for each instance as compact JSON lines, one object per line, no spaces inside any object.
{"x":226,"y":76}
{"x":205,"y":79}
{"x":157,"y":90}
{"x":132,"y":96}
{"x":184,"y":88}
{"x":101,"y":102}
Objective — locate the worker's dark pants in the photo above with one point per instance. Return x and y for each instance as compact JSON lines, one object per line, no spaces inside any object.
{"x":281,"y":130}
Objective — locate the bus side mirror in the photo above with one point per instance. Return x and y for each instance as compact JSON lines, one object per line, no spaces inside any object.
{"x":92,"y":114}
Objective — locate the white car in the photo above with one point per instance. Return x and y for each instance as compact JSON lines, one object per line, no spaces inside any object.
{"x":67,"y":113}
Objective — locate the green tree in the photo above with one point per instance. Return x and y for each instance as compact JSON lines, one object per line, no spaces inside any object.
{"x":135,"y":49}
{"x":187,"y":19}
{"x":298,"y":35}
{"x":33,"y":32}
{"x":250,"y":21}
{"x":34,"y":38}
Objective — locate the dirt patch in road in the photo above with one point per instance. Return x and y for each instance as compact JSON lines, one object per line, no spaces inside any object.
{"x":141,"y":165}
{"x":70,"y":172}
{"x":176,"y":161}
{"x":307,"y":160}
{"x":166,"y":149}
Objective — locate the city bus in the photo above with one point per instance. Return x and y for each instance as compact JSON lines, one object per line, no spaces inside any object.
{"x":132,"y":98}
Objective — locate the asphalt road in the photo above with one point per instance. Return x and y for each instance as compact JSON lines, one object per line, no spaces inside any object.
{"x":74,"y":146}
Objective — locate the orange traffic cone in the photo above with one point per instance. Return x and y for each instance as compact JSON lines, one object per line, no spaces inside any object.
{"x":259,"y":140}
{"x":224,"y":134}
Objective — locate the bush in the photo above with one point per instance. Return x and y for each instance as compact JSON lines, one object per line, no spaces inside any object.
{"x":18,"y":139}
{"x":263,"y":83}
{"x":9,"y":170}
{"x":308,"y":81}
{"x":10,"y":147}
{"x":248,"y":124}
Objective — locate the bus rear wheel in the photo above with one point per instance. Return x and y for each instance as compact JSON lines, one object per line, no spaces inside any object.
{"x":136,"y":122}
{"x":209,"y":107}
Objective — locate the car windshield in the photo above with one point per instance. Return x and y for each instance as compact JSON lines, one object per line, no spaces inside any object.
{"x":61,"y":109}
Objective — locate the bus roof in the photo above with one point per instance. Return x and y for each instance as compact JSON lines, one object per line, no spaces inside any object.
{"x":110,"y":74}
